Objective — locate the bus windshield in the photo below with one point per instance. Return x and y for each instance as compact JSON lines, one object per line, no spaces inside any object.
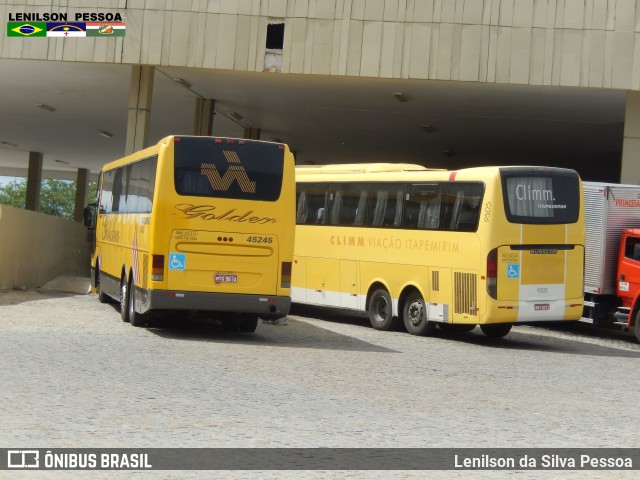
{"x":537,"y":196}
{"x":236,"y":169}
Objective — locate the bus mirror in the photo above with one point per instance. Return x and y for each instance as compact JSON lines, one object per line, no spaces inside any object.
{"x":89,"y":216}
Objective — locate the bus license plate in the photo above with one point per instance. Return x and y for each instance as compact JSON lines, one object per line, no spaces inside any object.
{"x":226,"y":278}
{"x":542,"y":306}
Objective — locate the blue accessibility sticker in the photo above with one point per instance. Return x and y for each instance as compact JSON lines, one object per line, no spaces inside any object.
{"x":513,"y":270}
{"x":177,"y":261}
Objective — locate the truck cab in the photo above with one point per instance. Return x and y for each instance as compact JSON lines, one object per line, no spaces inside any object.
{"x":628,"y":281}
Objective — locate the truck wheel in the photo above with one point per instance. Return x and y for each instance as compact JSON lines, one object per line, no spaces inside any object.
{"x":636,"y":326}
{"x":380,"y":310}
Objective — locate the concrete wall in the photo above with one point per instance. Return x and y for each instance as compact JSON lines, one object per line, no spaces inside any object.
{"x":35,"y":248}
{"x":590,"y":43}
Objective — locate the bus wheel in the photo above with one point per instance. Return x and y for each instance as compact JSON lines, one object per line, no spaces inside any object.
{"x":456,"y":328}
{"x":414,"y":315}
{"x":636,"y":326}
{"x":496,"y":331}
{"x":380,"y":310}
{"x":136,"y":319}
{"x":124,"y":299}
{"x":102,"y":297}
{"x":249,"y":323}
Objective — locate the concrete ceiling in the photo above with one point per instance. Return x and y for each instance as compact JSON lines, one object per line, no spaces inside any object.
{"x":324,"y":119}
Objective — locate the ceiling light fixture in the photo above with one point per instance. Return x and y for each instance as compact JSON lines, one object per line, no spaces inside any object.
{"x":235,"y":115}
{"x":46,"y":107}
{"x":61,"y":161}
{"x":183,"y":82}
{"x":8,"y":144}
{"x":448,"y":153}
{"x":106,"y":134}
{"x":400,"y":97}
{"x":428,"y":128}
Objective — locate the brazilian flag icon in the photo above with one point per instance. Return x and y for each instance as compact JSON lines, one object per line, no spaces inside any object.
{"x":33,"y":29}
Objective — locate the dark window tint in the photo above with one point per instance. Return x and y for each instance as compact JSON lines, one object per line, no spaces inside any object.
{"x":451,"y":206}
{"x":632,"y":248}
{"x":348,"y":204}
{"x":422,"y":207}
{"x":461,"y":206}
{"x":385,"y":205}
{"x":247,"y":170}
{"x":129,"y":189}
{"x":311,"y":204}
{"x":538,"y":196}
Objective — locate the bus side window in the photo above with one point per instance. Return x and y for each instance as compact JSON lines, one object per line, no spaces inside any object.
{"x":386,"y":210}
{"x":316,"y":199}
{"x":463,"y":206}
{"x":422,"y":207}
{"x":301,"y":208}
{"x":348,"y":206}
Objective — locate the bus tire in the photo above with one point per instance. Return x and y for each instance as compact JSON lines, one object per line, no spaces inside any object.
{"x":102,"y":297}
{"x":124,"y":298}
{"x":496,"y":330}
{"x":414,"y":315}
{"x":636,"y":326}
{"x":380,"y":310}
{"x":136,"y":319}
{"x":248,"y":324}
{"x":457,"y":327}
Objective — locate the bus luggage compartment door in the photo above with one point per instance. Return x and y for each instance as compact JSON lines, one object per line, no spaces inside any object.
{"x":223,"y":262}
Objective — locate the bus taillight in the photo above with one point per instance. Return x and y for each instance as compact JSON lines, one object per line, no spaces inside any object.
{"x":157,"y":268}
{"x":492,"y":273}
{"x":285,"y":278}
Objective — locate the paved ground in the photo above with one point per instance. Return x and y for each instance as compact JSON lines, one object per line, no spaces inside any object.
{"x":75,"y":375}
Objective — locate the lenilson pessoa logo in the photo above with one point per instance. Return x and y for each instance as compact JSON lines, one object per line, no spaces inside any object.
{"x":62,"y":24}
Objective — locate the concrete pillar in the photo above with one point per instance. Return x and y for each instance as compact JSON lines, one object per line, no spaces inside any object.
{"x":203,"y":119}
{"x":630,"y":170}
{"x":82,"y":187}
{"x":140,"y":95}
{"x":34,"y":181}
{"x":252,"y":133}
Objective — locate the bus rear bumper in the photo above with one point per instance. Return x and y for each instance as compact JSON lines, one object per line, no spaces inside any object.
{"x":535,"y":311}
{"x":265,"y":306}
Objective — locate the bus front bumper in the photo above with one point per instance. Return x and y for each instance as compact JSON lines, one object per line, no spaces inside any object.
{"x":265,"y":306}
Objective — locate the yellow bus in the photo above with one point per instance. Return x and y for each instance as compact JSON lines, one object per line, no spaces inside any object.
{"x":198,"y":225}
{"x":489,"y":246}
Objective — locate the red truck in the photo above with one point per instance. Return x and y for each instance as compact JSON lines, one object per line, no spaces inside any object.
{"x":612,"y":255}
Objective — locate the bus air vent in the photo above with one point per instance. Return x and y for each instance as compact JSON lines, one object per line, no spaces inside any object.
{"x":465,"y":287}
{"x":435,"y":280}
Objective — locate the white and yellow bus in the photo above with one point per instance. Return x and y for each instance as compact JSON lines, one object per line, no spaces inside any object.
{"x":489,"y":246}
{"x":197,"y":224}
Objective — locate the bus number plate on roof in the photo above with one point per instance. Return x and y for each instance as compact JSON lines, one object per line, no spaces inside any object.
{"x":225,"y":278}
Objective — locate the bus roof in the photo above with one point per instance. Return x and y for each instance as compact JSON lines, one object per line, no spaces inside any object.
{"x":360,"y":168}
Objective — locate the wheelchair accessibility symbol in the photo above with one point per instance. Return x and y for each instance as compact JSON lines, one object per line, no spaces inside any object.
{"x":513,"y":270}
{"x":177,"y":261}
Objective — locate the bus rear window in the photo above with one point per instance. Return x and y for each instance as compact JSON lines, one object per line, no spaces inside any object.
{"x":539,"y":196}
{"x":225,"y":168}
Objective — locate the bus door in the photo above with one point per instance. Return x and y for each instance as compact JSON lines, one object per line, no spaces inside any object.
{"x":349,"y":284}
